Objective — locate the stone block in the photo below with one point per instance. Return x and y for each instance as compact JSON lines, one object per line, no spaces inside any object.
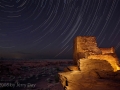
{"x":94,"y":64}
{"x":107,"y":50}
{"x":110,"y":58}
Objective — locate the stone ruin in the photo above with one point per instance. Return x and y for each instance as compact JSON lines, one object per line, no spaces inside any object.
{"x":94,"y":68}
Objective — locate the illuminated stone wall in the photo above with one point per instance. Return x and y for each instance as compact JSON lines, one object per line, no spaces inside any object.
{"x":107,"y":50}
{"x":84,"y":46}
{"x":94,"y":64}
{"x":110,"y":58}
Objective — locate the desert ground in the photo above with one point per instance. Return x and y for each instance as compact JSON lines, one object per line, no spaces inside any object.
{"x":31,"y":74}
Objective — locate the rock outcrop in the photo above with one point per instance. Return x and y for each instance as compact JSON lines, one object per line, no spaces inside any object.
{"x":94,"y":68}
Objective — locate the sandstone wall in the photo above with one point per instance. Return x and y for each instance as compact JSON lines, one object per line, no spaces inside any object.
{"x":84,"y":46}
{"x":112,"y":59}
{"x":107,"y":50}
{"x":94,"y":64}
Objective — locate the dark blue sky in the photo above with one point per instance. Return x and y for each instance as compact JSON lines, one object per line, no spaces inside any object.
{"x":46,"y":28}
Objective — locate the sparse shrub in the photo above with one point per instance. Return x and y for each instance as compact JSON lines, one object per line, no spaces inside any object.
{"x":56,"y":78}
{"x":47,"y":89}
{"x":1,"y":58}
{"x":49,"y":80}
{"x":57,"y":68}
{"x":40,"y":89}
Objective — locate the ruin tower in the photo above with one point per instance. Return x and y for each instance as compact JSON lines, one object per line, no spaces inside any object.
{"x":95,"y":68}
{"x":83,"y":46}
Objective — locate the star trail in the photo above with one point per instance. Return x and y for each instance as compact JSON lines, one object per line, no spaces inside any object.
{"x":44,"y":29}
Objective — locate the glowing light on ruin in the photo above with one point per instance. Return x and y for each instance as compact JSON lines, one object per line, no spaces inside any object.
{"x":90,"y":61}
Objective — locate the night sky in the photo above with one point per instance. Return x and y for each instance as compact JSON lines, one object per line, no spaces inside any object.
{"x":45,"y":29}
